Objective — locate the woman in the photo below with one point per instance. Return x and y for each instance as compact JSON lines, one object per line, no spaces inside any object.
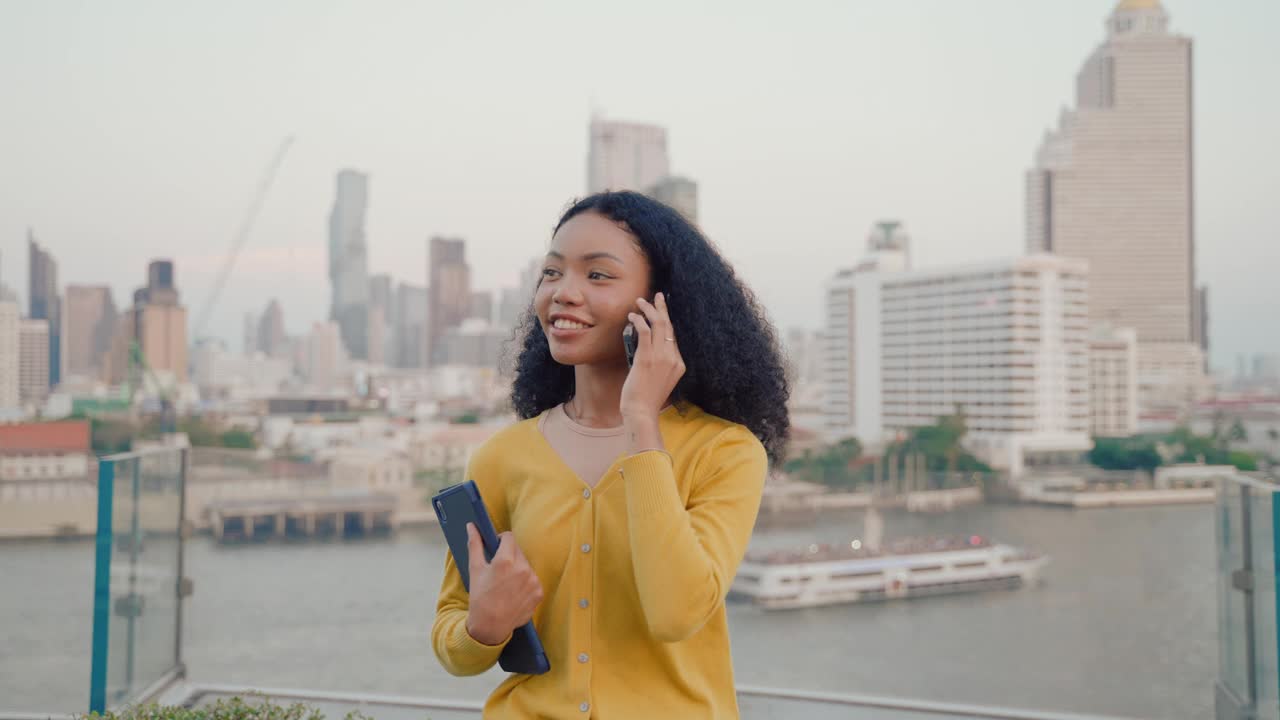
{"x":626,"y":496}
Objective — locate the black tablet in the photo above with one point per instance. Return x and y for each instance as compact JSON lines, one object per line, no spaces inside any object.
{"x":455,"y":507}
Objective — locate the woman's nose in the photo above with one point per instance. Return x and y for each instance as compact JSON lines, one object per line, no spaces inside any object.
{"x":567,"y":292}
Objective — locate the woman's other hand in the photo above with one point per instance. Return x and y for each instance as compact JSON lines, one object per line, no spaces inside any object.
{"x":504,"y":591}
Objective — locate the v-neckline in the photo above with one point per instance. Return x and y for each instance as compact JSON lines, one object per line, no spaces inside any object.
{"x":606,"y":480}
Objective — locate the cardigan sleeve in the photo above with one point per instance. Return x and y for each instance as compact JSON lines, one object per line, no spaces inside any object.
{"x":685,"y":557}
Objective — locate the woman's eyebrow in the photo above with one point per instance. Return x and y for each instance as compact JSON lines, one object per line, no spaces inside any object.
{"x":587,"y":257}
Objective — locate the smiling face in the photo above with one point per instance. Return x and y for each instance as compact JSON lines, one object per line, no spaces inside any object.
{"x":590,"y":281}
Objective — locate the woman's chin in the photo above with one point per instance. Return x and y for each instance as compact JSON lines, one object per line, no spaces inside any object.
{"x":569,"y":356}
{"x":582,"y":356}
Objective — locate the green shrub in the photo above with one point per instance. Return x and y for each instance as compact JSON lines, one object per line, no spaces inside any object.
{"x":258,"y":708}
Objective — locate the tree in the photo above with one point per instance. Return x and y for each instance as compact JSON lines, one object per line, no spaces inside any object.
{"x":236,"y":438}
{"x":829,"y":466}
{"x":1242,"y":460}
{"x":1238,"y":433}
{"x":1218,"y":430}
{"x":1135,"y":453}
{"x":111,"y":436}
{"x":199,"y":433}
{"x":942,"y":446}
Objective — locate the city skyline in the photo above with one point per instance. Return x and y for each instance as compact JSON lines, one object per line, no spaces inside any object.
{"x":823,"y":165}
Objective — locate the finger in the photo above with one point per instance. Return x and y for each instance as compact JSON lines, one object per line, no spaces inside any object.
{"x":660,"y":325}
{"x":651,"y":313}
{"x":660,"y":302}
{"x":475,"y":549}
{"x":644,"y":336}
{"x":507,"y":547}
{"x":665,"y":314}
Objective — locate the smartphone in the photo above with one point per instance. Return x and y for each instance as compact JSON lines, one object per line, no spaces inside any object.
{"x":630,"y":341}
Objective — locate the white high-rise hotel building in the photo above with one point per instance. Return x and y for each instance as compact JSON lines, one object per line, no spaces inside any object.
{"x":1113,"y":184}
{"x":1004,"y":342}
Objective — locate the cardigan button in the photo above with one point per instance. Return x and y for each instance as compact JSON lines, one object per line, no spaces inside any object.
{"x":586,"y":547}
{"x":584,"y":707}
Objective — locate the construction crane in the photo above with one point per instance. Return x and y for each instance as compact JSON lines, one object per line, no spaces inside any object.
{"x":137,"y":367}
{"x":137,"y":360}
{"x":255,"y":207}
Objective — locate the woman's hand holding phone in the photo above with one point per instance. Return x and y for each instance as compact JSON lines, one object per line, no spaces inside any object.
{"x":657,"y":365}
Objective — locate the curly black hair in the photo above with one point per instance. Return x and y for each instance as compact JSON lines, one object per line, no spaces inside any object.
{"x":733,"y":366}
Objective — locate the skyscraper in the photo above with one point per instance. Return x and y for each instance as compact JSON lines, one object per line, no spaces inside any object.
{"x":481,"y":305}
{"x":6,"y":293}
{"x":162,"y":322}
{"x":512,"y":305}
{"x":249,"y":340}
{"x":44,"y":303}
{"x":380,"y":290}
{"x":33,"y":362}
{"x":679,"y":192}
{"x":8,"y":358}
{"x":157,"y":323}
{"x":381,"y":320}
{"x":625,"y":156}
{"x":325,"y":356}
{"x":89,"y":322}
{"x":410,"y":326}
{"x":449,"y":290}
{"x":348,"y":262}
{"x":1113,"y":184}
{"x":272,"y":340}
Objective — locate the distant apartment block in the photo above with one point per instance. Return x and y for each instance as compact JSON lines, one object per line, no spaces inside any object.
{"x":1113,"y":382}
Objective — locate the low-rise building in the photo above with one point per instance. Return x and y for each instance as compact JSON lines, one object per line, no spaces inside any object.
{"x":45,"y":451}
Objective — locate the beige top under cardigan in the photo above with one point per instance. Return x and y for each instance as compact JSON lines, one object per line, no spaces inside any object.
{"x":588,"y":451}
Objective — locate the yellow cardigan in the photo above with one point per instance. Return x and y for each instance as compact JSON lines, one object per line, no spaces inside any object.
{"x":634,"y":571}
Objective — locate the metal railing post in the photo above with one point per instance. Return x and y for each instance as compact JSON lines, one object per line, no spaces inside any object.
{"x":101,"y":589}
{"x":181,"y":585}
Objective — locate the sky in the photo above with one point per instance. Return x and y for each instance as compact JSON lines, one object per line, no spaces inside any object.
{"x":136,"y":130}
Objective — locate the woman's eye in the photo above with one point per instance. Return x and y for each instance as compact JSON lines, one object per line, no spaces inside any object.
{"x":597,"y":276}
{"x":548,"y":272}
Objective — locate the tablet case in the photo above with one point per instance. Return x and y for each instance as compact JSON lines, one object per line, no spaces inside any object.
{"x":455,"y":507}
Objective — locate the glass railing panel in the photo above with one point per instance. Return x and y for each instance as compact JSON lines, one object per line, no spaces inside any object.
{"x":137,"y":613}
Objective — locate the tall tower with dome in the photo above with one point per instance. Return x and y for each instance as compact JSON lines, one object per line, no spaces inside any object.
{"x":1113,"y":183}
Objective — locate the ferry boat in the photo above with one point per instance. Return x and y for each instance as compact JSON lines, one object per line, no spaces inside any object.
{"x":866,"y":572}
